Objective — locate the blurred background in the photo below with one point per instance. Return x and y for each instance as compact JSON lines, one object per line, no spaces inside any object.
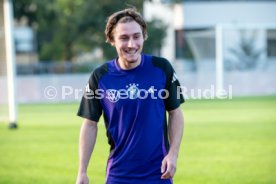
{"x":49,"y":48}
{"x":60,"y":42}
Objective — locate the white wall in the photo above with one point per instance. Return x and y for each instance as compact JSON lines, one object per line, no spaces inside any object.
{"x":208,"y":14}
{"x":70,"y":88}
{"x":51,"y":88}
{"x":260,"y":82}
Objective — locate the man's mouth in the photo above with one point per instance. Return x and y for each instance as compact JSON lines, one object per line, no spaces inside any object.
{"x":131,"y":52}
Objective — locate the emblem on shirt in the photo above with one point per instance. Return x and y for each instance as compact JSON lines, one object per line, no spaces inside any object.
{"x":132,"y":90}
{"x":87,"y":89}
{"x":151,"y":90}
{"x":174,"y":77}
{"x":112,"y":95}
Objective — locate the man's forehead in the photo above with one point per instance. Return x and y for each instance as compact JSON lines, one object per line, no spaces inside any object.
{"x":128,"y":28}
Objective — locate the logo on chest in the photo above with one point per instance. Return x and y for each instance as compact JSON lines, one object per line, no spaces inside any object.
{"x":112,"y":95}
{"x":131,"y":92}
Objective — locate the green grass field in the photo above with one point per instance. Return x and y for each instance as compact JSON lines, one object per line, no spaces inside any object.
{"x":230,"y":141}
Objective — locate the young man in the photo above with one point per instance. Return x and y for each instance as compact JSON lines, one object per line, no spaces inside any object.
{"x":133,"y":91}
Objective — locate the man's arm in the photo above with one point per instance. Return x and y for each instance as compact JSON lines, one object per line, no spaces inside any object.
{"x":176,"y":125}
{"x":88,"y":134}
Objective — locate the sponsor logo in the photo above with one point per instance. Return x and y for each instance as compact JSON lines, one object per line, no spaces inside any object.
{"x":131,"y":92}
{"x":87,"y":89}
{"x":174,"y":77}
{"x":112,"y":95}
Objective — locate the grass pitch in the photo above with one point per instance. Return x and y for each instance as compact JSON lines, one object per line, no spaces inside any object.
{"x":225,"y":141}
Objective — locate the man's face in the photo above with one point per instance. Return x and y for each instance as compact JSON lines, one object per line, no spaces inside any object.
{"x":128,"y":41}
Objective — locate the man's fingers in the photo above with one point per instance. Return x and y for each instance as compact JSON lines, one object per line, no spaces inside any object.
{"x":166,"y":175}
{"x":169,"y":172}
{"x":163,"y":166}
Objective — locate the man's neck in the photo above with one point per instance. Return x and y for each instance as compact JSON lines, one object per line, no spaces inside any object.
{"x":125,"y":65}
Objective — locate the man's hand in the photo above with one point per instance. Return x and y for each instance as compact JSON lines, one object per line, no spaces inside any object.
{"x":175,"y":125}
{"x":82,"y":179}
{"x":168,"y":167}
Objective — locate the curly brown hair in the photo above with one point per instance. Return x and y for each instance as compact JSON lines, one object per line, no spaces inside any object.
{"x":123,"y":16}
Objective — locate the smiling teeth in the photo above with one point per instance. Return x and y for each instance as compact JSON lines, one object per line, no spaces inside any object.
{"x":131,"y":52}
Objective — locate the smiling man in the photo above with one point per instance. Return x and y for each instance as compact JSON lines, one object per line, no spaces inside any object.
{"x":133,"y":92}
{"x":128,"y":41}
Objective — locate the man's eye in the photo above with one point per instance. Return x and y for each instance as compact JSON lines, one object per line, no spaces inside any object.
{"x":136,"y":36}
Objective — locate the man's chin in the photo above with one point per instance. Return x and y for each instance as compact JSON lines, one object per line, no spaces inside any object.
{"x":132,"y":59}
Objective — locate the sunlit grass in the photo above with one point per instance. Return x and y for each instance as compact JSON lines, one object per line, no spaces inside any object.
{"x":230,"y":141}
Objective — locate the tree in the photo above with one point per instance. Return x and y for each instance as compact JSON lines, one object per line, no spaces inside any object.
{"x":156,"y":35}
{"x":66,"y":28}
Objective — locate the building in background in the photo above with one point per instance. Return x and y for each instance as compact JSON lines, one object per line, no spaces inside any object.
{"x":198,"y":18}
{"x":242,"y":33}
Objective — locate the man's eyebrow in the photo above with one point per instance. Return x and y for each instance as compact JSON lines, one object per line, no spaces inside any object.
{"x":122,"y":35}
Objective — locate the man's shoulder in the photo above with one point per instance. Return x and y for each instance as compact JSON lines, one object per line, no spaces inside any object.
{"x":161,"y":62}
{"x":155,"y":58}
{"x":102,"y":68}
{"x":99,"y":71}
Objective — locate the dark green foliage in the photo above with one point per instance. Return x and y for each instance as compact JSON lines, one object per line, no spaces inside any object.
{"x":65,"y":29}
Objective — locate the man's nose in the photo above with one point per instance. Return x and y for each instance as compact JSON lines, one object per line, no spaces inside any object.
{"x":130,"y":43}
